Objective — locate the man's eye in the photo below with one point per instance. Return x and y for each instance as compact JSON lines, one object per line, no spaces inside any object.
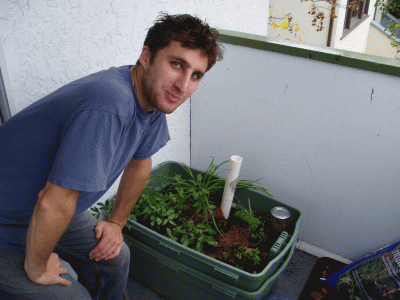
{"x":176,"y":64}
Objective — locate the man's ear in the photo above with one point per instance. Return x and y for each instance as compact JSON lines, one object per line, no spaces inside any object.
{"x":145,"y":57}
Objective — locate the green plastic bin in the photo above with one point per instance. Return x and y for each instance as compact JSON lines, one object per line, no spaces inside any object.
{"x":177,"y":281}
{"x":210,"y":266}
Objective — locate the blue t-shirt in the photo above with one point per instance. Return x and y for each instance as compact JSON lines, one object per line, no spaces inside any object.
{"x":81,"y":137}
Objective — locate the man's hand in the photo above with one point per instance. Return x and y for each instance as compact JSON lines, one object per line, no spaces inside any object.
{"x":51,"y":275}
{"x":132,"y":183}
{"x":110,"y":243}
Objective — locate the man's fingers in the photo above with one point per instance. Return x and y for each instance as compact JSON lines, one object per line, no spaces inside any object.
{"x":115,"y":254}
{"x":100,"y":249}
{"x":99,"y":230}
{"x":63,"y":271}
{"x":102,"y":253}
{"x":106,"y":253}
{"x":105,"y":247}
{"x":63,"y":281}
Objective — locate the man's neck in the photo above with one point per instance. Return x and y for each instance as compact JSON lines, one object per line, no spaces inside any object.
{"x":137,"y":73}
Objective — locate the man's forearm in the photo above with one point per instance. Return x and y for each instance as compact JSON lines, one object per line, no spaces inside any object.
{"x":132,"y":183}
{"x":49,"y":221}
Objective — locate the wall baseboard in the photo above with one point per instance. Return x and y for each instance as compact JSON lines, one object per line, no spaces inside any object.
{"x":318,"y":252}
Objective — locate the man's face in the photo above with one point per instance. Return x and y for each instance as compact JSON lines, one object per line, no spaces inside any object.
{"x":172,"y":77}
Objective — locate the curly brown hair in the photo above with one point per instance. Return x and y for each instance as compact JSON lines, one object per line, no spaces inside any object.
{"x":190,"y":31}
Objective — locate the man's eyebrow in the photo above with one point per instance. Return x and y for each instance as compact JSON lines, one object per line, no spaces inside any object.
{"x":186,"y":64}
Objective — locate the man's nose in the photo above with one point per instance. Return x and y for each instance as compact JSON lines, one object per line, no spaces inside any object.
{"x":182,"y":82}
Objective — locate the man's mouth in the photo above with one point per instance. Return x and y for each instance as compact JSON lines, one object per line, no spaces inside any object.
{"x":173,"y":97}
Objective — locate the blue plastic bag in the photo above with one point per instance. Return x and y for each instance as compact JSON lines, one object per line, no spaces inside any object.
{"x":375,"y":276}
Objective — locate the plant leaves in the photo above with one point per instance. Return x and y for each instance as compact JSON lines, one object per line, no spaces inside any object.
{"x":185,"y":240}
{"x":169,"y":232}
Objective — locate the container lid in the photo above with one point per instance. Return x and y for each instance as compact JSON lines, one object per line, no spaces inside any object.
{"x":280,"y":213}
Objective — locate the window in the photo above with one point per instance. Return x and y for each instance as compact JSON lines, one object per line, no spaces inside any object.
{"x":356,"y":13}
{"x":4,"y":108}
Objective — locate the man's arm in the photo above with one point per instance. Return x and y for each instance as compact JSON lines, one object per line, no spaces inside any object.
{"x":52,"y":214}
{"x":131,"y":186}
{"x":132,"y":183}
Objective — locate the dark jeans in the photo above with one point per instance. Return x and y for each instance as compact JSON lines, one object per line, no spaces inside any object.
{"x":105,"y":279}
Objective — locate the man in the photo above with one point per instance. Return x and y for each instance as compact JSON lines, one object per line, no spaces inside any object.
{"x":61,"y":154}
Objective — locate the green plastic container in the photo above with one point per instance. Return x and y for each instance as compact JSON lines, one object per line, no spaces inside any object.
{"x":210,"y":266}
{"x":177,"y":281}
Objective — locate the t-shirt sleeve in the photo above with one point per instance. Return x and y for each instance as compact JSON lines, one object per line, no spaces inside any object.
{"x":86,"y":151}
{"x":156,"y":137}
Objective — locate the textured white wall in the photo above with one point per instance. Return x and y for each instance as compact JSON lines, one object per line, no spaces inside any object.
{"x":50,"y":43}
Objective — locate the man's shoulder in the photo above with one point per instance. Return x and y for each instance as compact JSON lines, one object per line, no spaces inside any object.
{"x":110,"y":90}
{"x":113,"y":80}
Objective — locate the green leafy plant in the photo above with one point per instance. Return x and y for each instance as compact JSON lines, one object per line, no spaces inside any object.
{"x":393,"y":8}
{"x":247,"y":256}
{"x":182,"y":207}
{"x":249,"y":217}
{"x":190,"y":234}
{"x":159,"y":210}
{"x":198,"y":189}
{"x":103,"y":208}
{"x":250,"y":255}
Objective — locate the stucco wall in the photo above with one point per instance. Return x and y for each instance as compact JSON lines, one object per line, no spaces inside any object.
{"x":379,"y":43}
{"x":50,"y":43}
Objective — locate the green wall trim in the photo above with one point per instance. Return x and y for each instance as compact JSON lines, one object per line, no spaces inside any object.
{"x":335,"y":56}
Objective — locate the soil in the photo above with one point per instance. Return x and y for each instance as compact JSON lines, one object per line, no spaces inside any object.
{"x":237,"y":235}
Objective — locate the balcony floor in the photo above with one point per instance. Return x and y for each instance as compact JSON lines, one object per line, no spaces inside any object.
{"x":290,"y":284}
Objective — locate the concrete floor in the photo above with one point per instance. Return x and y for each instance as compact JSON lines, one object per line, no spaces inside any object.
{"x":290,"y":284}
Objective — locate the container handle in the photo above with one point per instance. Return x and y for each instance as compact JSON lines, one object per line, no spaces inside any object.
{"x":178,"y":252}
{"x":280,"y":243}
{"x":230,"y":275}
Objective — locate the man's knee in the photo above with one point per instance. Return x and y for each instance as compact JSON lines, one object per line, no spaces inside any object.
{"x":119,"y":265}
{"x":32,"y":291}
{"x":124,"y":257}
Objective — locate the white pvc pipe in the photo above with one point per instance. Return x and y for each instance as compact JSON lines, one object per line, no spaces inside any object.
{"x":230,"y":185}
